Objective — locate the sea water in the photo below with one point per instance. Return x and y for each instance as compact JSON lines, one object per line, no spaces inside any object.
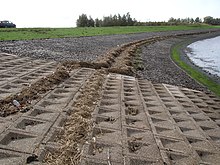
{"x":206,"y":54}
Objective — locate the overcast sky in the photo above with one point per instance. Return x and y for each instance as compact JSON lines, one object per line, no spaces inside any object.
{"x":63,"y":13}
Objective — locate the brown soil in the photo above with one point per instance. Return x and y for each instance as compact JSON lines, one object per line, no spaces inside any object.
{"x":33,"y":92}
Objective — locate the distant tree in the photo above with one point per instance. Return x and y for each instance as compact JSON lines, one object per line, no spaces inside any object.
{"x":208,"y":20}
{"x":192,"y":20}
{"x":212,"y":21}
{"x":82,"y":21}
{"x":90,"y":22}
{"x":98,"y":22}
{"x":171,"y":20}
{"x":119,"y":20}
{"x":123,"y":20}
{"x":115,"y":20}
{"x":198,"y":20}
{"x":129,"y":20}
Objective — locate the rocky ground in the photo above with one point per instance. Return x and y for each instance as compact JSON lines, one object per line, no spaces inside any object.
{"x":158,"y":66}
{"x":78,"y":49}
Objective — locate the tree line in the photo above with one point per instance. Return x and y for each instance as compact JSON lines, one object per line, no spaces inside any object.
{"x":112,"y":20}
{"x":207,"y":20}
{"x":127,"y":20}
{"x":212,"y":21}
{"x":185,"y":20}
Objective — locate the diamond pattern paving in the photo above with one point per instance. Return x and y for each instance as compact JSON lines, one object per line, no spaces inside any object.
{"x":154,"y":124}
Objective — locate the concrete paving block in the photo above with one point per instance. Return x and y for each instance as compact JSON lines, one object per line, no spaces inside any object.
{"x":106,"y":135}
{"x":157,"y":113}
{"x":138,"y":160}
{"x":32,"y":125}
{"x":9,"y":87}
{"x":12,"y":158}
{"x":50,"y":105}
{"x":60,"y":121}
{"x":110,"y":104}
{"x":4,"y":93}
{"x":160,"y":122}
{"x":102,"y":151}
{"x":139,"y":148}
{"x":135,"y":134}
{"x":4,"y":124}
{"x":12,"y":117}
{"x":42,"y":113}
{"x":108,"y":122}
{"x":174,"y":145}
{"x":201,"y":144}
{"x":173,"y":133}
{"x":107,"y":112}
{"x":208,"y":157}
{"x":52,"y":136}
{"x":17,"y":140}
{"x":88,"y":161}
{"x":133,"y":111}
{"x":180,"y":158}
{"x":136,"y":122}
{"x":187,"y":131}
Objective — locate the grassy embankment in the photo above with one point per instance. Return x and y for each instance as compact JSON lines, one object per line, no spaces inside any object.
{"x":197,"y":75}
{"x":42,"y":33}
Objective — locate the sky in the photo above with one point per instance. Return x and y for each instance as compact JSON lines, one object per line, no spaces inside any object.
{"x":64,"y":13}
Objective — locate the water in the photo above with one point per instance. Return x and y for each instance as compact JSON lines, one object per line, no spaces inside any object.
{"x":206,"y":54}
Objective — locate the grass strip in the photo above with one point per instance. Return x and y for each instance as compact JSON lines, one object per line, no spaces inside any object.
{"x":43,"y":33}
{"x":195,"y":74}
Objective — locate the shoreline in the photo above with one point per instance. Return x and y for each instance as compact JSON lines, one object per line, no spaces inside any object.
{"x":184,"y":57}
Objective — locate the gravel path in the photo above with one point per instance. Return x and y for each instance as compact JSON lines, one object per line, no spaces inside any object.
{"x":78,"y":49}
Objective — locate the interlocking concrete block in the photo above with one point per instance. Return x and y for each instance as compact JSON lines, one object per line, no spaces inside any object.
{"x":88,"y":161}
{"x":138,"y":160}
{"x":106,"y":135}
{"x":42,"y":114}
{"x":35,"y":126}
{"x":103,"y":151}
{"x":107,"y":122}
{"x":136,"y":122}
{"x":13,"y":158}
{"x":20,"y":141}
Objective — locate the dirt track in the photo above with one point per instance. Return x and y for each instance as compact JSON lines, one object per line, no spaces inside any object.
{"x":181,"y":124}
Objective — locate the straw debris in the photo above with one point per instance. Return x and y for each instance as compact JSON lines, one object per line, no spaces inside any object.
{"x":79,"y":123}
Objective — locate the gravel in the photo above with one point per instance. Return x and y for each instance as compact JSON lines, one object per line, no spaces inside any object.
{"x":159,"y":67}
{"x":77,"y":49}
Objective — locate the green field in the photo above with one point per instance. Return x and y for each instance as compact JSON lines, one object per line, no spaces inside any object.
{"x":41,"y":33}
{"x":194,"y":73}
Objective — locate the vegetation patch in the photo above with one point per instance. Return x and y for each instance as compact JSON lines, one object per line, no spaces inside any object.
{"x":137,"y":62}
{"x":43,"y":33}
{"x":194,"y":73}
